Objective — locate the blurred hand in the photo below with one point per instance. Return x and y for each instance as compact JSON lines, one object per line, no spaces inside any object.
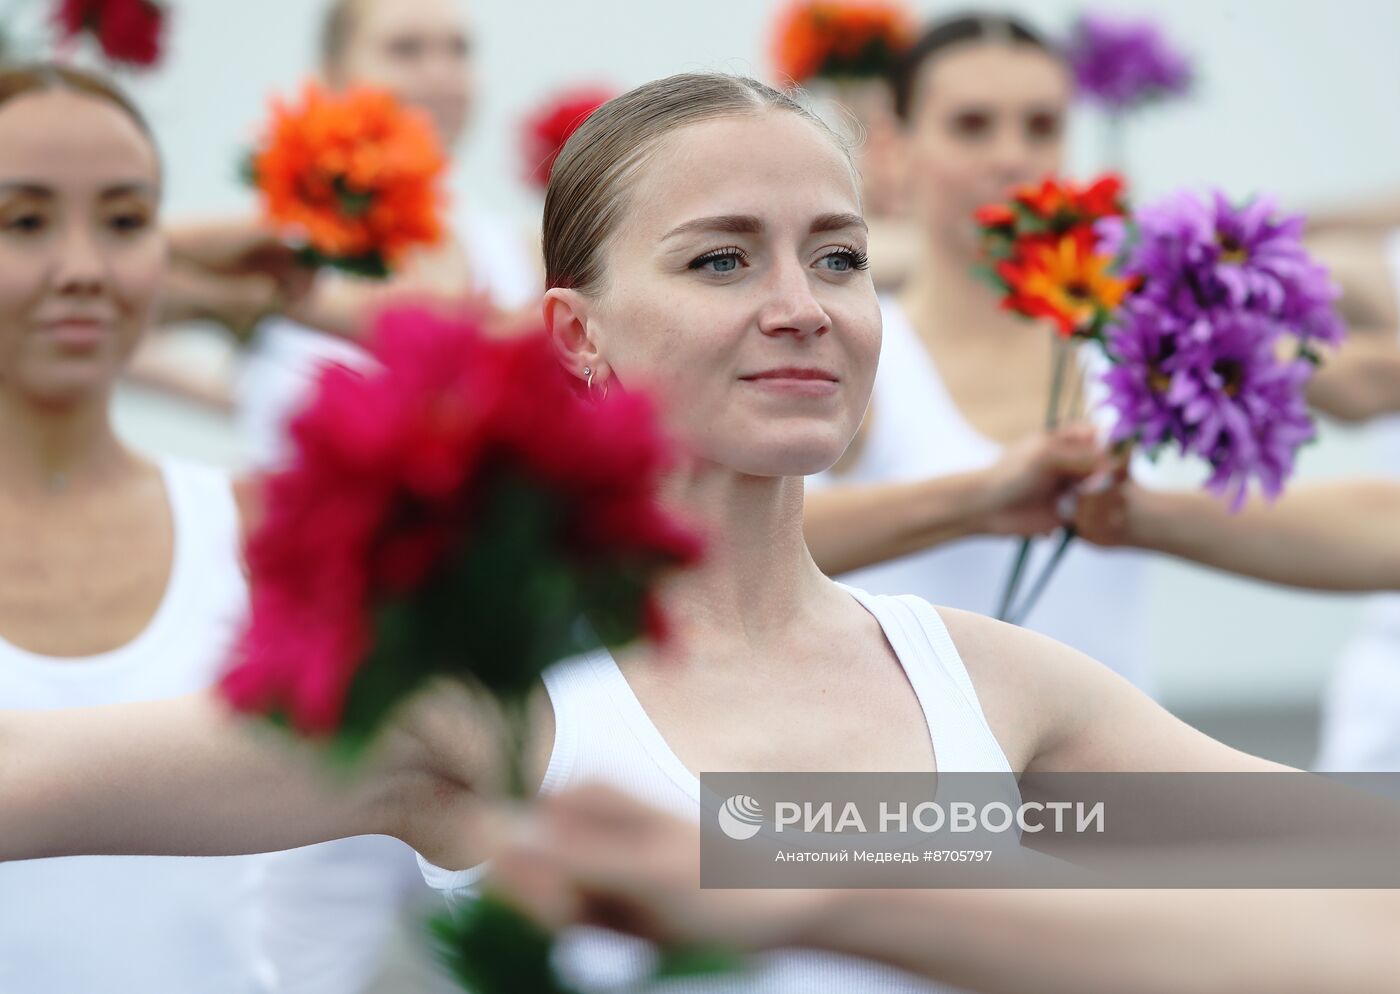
{"x":236,"y":272}
{"x":1031,"y":477}
{"x":596,"y":856}
{"x":1104,"y":504}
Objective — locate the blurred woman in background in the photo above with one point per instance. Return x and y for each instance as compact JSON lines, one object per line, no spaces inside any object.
{"x":120,"y":577}
{"x":983,"y":101}
{"x":420,"y":51}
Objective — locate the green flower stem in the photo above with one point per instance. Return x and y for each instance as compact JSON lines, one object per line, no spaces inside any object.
{"x":1115,"y":134}
{"x":1043,"y":580}
{"x":1063,"y":349}
{"x":515,"y":709}
{"x":1066,"y":537}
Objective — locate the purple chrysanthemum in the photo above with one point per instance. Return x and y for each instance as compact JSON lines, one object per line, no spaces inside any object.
{"x":1121,"y":64}
{"x":1213,"y":384}
{"x":1196,"y":254}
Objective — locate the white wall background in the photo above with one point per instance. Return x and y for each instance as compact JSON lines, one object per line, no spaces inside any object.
{"x":1297,"y":97}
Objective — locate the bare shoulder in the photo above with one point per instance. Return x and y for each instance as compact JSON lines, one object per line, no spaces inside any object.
{"x":1057,"y":710}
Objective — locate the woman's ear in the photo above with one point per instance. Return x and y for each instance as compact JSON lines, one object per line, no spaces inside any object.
{"x":566,"y":318}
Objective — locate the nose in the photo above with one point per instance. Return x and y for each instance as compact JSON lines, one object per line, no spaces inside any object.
{"x":1011,"y":158}
{"x":792,"y":308}
{"x":80,"y":267}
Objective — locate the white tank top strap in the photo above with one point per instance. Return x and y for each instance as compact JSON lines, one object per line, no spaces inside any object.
{"x":203,"y":497}
{"x":963,"y":739}
{"x":209,"y":534}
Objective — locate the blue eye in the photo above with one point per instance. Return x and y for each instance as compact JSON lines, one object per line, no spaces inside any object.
{"x":845,"y":261}
{"x":721,"y":261}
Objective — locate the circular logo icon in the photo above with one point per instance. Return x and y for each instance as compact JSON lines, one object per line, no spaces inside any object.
{"x":741,"y":817}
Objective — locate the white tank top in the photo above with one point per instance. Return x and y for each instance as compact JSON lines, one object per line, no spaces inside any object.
{"x":1097,"y":601}
{"x":138,"y":924}
{"x":280,"y":369}
{"x":1360,"y":726}
{"x":602,"y":733}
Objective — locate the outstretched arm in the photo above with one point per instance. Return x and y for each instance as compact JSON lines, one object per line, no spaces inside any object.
{"x":852,"y":526}
{"x":1342,"y":535}
{"x":175,"y":777}
{"x":1055,"y":710}
{"x":223,"y":263}
{"x":597,"y":856}
{"x":1102,"y":942}
{"x":1361,"y":381}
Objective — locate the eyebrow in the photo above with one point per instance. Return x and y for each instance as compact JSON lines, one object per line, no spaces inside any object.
{"x":838,"y":222}
{"x":747,"y":224}
{"x":32,"y":189}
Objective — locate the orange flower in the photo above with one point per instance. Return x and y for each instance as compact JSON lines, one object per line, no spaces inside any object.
{"x":840,"y":38}
{"x":1054,"y":199}
{"x":356,"y":174}
{"x":1062,"y":278}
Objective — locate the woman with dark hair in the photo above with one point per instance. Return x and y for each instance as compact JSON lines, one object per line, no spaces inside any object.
{"x":983,"y":101}
{"x":120,"y":577}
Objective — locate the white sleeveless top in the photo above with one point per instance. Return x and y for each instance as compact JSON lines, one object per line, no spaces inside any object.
{"x":1097,"y":601}
{"x":280,"y":369}
{"x":1360,"y":728}
{"x":602,"y":733}
{"x":138,"y":924}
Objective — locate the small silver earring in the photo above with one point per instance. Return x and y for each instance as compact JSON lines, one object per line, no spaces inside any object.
{"x":589,"y":373}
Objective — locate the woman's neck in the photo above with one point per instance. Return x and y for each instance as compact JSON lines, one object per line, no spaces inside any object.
{"x":48,"y":449}
{"x":757,"y":578}
{"x":945,"y":296}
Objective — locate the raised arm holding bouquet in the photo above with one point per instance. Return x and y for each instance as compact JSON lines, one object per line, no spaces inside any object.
{"x":1212,"y":351}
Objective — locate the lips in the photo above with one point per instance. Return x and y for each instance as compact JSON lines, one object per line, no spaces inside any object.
{"x":76,"y":332}
{"x":803,"y":383}
{"x":794,"y":373}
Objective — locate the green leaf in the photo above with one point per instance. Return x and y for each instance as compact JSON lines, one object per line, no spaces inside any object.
{"x":248,"y":168}
{"x":696,"y":961}
{"x":991,"y":278}
{"x":491,"y":948}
